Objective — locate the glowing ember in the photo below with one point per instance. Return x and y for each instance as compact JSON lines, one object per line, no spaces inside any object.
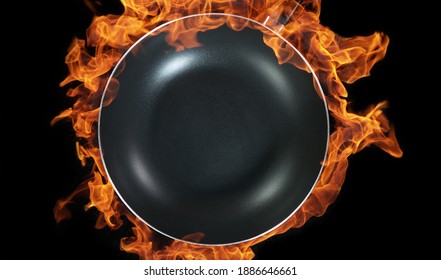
{"x":335,"y":59}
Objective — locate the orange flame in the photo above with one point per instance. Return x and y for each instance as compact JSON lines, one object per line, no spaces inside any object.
{"x":335,"y":59}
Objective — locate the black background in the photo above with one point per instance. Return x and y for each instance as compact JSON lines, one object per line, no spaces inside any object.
{"x":388,"y":208}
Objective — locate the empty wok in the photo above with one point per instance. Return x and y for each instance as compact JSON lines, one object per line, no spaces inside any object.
{"x":219,"y":140}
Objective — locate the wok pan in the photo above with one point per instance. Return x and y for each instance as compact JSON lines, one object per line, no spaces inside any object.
{"x":220,"y":139}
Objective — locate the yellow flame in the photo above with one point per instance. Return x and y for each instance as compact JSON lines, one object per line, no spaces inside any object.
{"x":335,"y":59}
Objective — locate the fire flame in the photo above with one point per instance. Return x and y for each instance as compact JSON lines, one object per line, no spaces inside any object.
{"x":335,"y":59}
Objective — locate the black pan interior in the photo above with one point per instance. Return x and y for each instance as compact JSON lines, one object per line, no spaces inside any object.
{"x":220,"y":139}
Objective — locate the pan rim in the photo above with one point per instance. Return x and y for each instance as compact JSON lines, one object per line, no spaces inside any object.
{"x":318,"y":88}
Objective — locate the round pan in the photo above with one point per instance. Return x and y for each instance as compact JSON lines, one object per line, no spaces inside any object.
{"x":219,"y":140}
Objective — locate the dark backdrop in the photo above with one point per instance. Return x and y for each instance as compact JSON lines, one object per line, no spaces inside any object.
{"x":388,"y":208}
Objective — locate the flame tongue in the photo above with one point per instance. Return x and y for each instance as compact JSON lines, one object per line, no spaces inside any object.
{"x":335,"y":59}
